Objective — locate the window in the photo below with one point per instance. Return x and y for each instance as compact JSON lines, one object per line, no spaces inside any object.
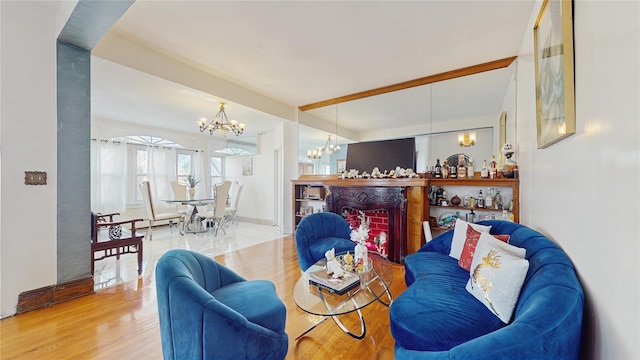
{"x":217,"y":171}
{"x":185,"y":165}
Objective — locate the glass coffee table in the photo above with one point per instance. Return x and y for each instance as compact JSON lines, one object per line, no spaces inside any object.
{"x":374,"y":286}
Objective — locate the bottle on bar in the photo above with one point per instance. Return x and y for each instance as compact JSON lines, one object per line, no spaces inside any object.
{"x":445,"y":170}
{"x":470,"y":169}
{"x":438,"y":169}
{"x":462,"y":167}
{"x":493,"y":168}
{"x":484,"y":173}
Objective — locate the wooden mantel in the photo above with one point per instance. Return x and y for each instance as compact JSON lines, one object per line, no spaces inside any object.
{"x":415,"y":190}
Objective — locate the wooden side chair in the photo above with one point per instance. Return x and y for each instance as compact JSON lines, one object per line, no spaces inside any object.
{"x":111,"y":238}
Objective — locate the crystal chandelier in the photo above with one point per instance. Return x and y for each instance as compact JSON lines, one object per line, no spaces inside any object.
{"x":221,"y":124}
{"x":328,"y":148}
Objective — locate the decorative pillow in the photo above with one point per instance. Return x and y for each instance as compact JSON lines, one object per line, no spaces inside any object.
{"x":498,"y":271}
{"x":470,"y":246}
{"x":460,"y":236}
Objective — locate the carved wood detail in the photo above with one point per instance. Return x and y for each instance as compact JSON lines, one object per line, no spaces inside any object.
{"x":391,"y":199}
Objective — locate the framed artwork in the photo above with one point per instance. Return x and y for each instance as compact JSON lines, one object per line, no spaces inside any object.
{"x":553,"y":47}
{"x":341,"y":166}
{"x":247,"y":166}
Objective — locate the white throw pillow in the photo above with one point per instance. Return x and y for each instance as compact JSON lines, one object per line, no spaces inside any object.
{"x":497,"y":273}
{"x":460,"y":236}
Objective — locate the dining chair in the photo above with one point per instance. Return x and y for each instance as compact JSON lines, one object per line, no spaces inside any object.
{"x":114,"y":238}
{"x":218,"y":213}
{"x":179,"y":193}
{"x":232,"y":209}
{"x":145,"y":190}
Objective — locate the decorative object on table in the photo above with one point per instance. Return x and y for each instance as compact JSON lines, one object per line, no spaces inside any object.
{"x":191,"y":186}
{"x":338,"y":286}
{"x":380,"y":242}
{"x":553,"y":46}
{"x":334,"y":269}
{"x":220,"y":124}
{"x":360,"y":236}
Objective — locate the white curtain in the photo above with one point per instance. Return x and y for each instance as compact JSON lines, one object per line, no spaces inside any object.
{"x":160,"y":172}
{"x":198,"y":173}
{"x":108,"y":176}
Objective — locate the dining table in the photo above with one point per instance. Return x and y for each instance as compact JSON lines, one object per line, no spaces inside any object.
{"x":192,"y":223}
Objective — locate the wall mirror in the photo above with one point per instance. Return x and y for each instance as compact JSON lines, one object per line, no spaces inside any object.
{"x":435,"y":114}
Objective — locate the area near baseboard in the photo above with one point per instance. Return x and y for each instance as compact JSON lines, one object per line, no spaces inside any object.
{"x":54,"y":294}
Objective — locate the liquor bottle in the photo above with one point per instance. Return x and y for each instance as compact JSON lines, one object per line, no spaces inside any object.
{"x":470,"y":169}
{"x":497,"y":202}
{"x":493,"y":168}
{"x":488,"y":200}
{"x":438,"y":170}
{"x":453,"y":172}
{"x":466,"y":200}
{"x":445,"y":170}
{"x":480,"y":200}
{"x":484,"y":173}
{"x":462,"y":167}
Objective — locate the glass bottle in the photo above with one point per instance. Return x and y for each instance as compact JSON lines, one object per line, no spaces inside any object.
{"x":484,"y":173}
{"x":462,"y":167}
{"x":466,"y":200}
{"x":493,"y":168}
{"x":488,"y":200}
{"x":438,"y":170}
{"x":445,"y":170}
{"x":498,"y":201}
{"x":480,"y":200}
{"x":470,"y":169}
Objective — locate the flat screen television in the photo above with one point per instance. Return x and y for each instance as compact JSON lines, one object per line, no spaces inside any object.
{"x":386,"y":155}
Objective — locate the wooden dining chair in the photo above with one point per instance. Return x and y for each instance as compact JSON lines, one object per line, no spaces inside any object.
{"x":114,"y":238}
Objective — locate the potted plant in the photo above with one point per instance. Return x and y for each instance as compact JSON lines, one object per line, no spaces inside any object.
{"x":191,"y":186}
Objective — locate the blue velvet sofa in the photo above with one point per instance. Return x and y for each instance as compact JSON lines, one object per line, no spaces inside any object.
{"x":209,"y":312}
{"x":436,"y":318}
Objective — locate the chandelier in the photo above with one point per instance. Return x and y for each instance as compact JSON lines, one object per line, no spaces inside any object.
{"x":328,"y":148}
{"x":467,"y":139}
{"x":221,"y":124}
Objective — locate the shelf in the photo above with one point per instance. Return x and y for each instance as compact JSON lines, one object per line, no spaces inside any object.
{"x":309,"y":199}
{"x":461,"y":208}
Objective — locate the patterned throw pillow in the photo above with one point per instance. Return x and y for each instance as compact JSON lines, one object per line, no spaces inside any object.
{"x":470,"y":246}
{"x":498,"y":272}
{"x":460,"y":236}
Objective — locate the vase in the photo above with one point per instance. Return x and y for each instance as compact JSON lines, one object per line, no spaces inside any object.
{"x":191,"y":193}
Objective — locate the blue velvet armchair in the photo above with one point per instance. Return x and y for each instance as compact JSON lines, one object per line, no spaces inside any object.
{"x":319,"y":232}
{"x":209,"y":312}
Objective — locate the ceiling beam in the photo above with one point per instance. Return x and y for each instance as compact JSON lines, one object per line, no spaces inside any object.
{"x":475,"y":69}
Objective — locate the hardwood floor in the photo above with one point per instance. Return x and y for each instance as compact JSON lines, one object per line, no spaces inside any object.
{"x":121,"y":322}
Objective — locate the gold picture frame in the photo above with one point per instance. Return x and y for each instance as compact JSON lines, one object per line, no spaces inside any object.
{"x":553,"y":47}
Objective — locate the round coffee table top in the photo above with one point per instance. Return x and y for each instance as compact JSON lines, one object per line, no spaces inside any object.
{"x":317,"y":301}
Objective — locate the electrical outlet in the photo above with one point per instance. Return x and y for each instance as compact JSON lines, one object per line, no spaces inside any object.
{"x":35,"y":178}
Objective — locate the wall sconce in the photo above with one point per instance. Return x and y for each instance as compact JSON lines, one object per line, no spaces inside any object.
{"x":467,"y":139}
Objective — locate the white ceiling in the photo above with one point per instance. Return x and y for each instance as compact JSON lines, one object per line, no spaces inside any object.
{"x":300,"y":52}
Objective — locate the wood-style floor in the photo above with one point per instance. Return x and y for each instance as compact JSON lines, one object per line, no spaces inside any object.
{"x":121,"y":322}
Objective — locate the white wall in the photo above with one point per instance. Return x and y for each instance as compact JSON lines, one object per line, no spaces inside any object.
{"x":28,"y":122}
{"x":583,"y":192}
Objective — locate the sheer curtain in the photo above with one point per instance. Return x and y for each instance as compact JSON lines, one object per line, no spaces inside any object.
{"x":160,"y":172}
{"x":198,"y":173}
{"x":108,"y":176}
